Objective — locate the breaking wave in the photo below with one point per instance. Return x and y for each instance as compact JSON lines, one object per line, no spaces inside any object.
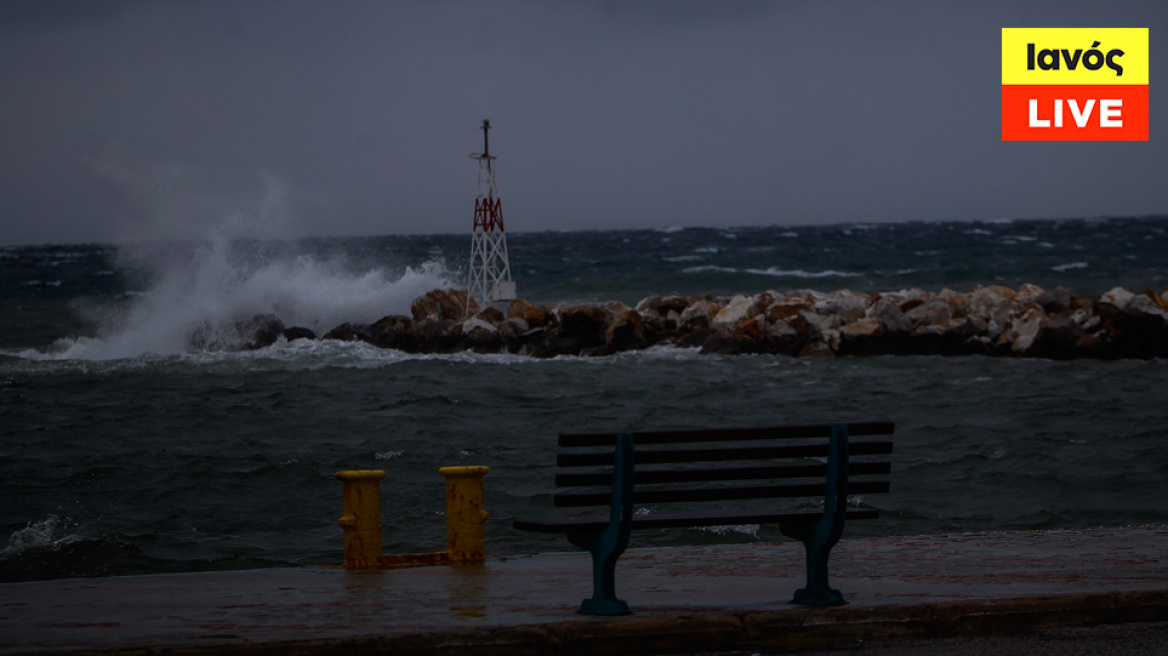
{"x":222,"y":284}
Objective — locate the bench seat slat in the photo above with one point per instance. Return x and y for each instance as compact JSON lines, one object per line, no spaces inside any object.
{"x":644,"y":438}
{"x":723,"y":454}
{"x":729,"y":493}
{"x":654,"y":476}
{"x":679,"y":520}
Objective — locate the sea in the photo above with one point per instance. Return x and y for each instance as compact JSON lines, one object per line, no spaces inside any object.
{"x":126,"y":451}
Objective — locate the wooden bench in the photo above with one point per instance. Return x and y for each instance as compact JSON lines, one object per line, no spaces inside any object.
{"x":716,"y":477}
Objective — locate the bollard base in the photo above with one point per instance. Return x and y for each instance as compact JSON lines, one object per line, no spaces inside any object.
{"x":389,"y":561}
{"x":436,"y":558}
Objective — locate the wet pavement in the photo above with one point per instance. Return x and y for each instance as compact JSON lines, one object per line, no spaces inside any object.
{"x":684,"y":599}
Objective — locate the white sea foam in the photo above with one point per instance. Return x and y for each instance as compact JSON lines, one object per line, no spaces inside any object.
{"x":746,"y":529}
{"x":49,"y":532}
{"x":1068,"y":267}
{"x":772,"y":271}
{"x":800,"y":273}
{"x":709,"y":268}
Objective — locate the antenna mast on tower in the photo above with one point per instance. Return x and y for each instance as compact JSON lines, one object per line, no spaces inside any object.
{"x":490,"y":272}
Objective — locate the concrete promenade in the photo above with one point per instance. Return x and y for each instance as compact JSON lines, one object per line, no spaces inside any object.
{"x":687,"y":599}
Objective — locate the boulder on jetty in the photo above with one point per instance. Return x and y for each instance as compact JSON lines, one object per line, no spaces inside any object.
{"x":994,"y":320}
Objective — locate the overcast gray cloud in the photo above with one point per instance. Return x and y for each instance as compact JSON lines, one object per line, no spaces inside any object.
{"x":147,"y":119}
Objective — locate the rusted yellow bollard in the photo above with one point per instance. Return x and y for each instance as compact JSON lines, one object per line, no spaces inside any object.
{"x":464,"y":513}
{"x":361,"y":517}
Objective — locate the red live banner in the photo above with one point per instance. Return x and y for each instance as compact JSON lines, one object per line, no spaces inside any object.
{"x":1074,"y":112}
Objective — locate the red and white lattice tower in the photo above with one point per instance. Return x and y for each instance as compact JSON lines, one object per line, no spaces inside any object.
{"x":490,"y":272}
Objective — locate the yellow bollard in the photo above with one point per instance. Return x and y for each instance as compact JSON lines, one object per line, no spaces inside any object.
{"x":464,"y":513}
{"x":361,"y":517}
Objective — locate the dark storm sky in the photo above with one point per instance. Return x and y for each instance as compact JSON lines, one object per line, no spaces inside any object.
{"x":168,"y":118}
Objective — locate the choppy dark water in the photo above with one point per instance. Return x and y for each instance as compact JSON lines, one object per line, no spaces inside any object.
{"x":121,"y":451}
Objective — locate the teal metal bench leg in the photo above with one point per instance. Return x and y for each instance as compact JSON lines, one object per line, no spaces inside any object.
{"x":819,"y":537}
{"x":606,"y":547}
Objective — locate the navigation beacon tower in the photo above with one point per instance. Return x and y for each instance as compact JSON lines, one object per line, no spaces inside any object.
{"x":490,"y":272}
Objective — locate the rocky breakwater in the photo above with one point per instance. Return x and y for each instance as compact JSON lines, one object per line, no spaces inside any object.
{"x":997,"y":321}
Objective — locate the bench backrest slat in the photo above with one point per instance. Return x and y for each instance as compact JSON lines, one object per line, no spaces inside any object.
{"x":721,"y":454}
{"x":733,"y":493}
{"x":646,"y":438}
{"x":652,"y":476}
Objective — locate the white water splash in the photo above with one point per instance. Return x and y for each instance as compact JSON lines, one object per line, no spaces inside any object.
{"x":201,"y":235}
{"x":219,"y":286}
